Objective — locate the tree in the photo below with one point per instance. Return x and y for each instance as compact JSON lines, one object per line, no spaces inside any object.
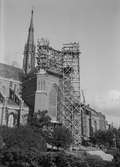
{"x":23,"y":144}
{"x":22,"y":147}
{"x":23,"y":138}
{"x":116,"y":159}
{"x":40,"y":119}
{"x":58,"y":136}
{"x":98,"y":137}
{"x":109,"y":138}
{"x":61,"y":137}
{"x":2,"y":144}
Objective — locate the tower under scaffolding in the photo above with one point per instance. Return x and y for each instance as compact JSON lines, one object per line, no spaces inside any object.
{"x":71,"y":64}
{"x":71,"y":89}
{"x":66,"y":63}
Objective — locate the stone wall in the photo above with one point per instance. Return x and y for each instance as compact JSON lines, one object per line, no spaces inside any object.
{"x":47,"y":93}
{"x":11,"y":79}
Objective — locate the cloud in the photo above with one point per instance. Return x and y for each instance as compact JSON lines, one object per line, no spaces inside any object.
{"x":109,"y":104}
{"x":110,"y":100}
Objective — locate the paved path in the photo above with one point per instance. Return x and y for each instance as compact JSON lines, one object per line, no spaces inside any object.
{"x":103,"y":155}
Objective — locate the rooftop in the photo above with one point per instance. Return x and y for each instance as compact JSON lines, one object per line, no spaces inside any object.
{"x":11,"y":72}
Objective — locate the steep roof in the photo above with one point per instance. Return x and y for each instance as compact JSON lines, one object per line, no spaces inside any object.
{"x":11,"y":72}
{"x":49,"y":71}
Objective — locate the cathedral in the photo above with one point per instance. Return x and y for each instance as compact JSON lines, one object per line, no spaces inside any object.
{"x":49,"y":80}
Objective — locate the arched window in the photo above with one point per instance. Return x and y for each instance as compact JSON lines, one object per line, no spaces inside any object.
{"x":95,"y":125}
{"x":41,"y":85}
{"x":11,"y":120}
{"x":53,"y":102}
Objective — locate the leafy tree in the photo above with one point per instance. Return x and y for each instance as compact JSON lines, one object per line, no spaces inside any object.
{"x":58,"y":136}
{"x":22,"y":147}
{"x":40,"y":119}
{"x":98,"y":137}
{"x":116,"y":160}
{"x":61,"y":137}
{"x":109,"y":138}
{"x":2,"y":144}
{"x":23,"y":138}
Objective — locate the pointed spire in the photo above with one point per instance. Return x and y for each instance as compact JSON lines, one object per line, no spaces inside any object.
{"x":31,"y":22}
{"x":29,"y":52}
{"x":31,"y":30}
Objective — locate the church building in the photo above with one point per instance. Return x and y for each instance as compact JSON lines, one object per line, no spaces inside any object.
{"x":49,"y":80}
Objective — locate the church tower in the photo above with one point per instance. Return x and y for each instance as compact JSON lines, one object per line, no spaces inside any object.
{"x":29,"y":50}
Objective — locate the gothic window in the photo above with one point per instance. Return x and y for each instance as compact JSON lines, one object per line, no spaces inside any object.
{"x":11,"y":120}
{"x":95,"y":125}
{"x":53,"y":102}
{"x":41,"y":85}
{"x":44,"y":84}
{"x":53,"y":97}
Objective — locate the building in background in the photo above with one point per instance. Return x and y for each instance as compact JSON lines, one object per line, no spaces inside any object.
{"x":92,"y":121}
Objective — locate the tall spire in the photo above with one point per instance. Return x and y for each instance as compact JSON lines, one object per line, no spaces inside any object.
{"x":29,"y":51}
{"x":31,"y":30}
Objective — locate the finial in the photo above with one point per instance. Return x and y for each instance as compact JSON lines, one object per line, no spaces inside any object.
{"x":32,"y":10}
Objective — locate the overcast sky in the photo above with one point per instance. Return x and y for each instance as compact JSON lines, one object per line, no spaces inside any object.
{"x":94,"y":23}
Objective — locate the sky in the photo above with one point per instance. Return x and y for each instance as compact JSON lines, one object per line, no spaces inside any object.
{"x":95,"y":24}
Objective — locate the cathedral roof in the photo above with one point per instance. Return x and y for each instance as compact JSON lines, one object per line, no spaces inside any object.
{"x":11,"y":72}
{"x":49,"y":71}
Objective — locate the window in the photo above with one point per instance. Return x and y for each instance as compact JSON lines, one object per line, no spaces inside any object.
{"x":53,"y":103}
{"x":41,"y":85}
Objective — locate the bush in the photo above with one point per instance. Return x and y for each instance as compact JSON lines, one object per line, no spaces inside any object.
{"x":61,"y":137}
{"x":40,"y":119}
{"x":116,"y":160}
{"x":22,"y":147}
{"x":15,"y":158}
{"x":19,"y":158}
{"x":22,"y":158}
{"x":60,"y":159}
{"x":23,"y":138}
{"x":108,"y":138}
{"x":63,"y":159}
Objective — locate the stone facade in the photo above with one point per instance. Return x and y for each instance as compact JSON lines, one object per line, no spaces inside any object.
{"x":40,"y":92}
{"x":46,"y":93}
{"x":12,"y":108}
{"x":92,"y":121}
